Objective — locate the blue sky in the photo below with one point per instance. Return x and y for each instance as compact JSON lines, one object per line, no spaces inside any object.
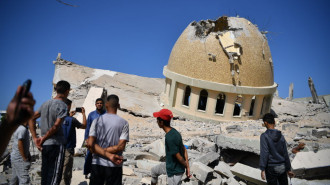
{"x":137,"y":36}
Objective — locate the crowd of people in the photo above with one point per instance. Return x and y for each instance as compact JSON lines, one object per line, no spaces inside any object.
{"x":106,"y":136}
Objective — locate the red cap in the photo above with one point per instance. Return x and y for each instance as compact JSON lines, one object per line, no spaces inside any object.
{"x":164,"y":114}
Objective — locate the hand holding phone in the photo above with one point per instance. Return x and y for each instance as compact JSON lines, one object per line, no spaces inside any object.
{"x":78,"y":109}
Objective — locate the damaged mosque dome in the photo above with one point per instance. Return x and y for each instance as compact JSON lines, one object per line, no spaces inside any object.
{"x":220,"y":70}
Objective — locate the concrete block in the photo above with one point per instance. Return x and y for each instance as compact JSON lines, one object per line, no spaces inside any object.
{"x":157,"y":147}
{"x":200,"y":171}
{"x":89,"y":105}
{"x":224,"y":169}
{"x":146,"y":180}
{"x":232,"y":181}
{"x":128,"y":171}
{"x":309,"y":182}
{"x":311,"y":165}
{"x":244,"y":144}
{"x":319,"y":133}
{"x":248,"y":173}
{"x":146,"y":164}
{"x":208,"y":158}
{"x":215,"y":182}
{"x":131,"y":180}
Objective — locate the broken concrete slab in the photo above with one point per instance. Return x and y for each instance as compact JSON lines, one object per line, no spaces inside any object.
{"x":310,"y":165}
{"x":157,"y":147}
{"x":232,"y":181}
{"x":128,"y":171}
{"x":224,"y":169}
{"x":146,"y":164}
{"x":248,"y":173}
{"x":208,"y":158}
{"x":244,"y":144}
{"x":310,"y":182}
{"x":200,"y":171}
{"x":319,"y":132}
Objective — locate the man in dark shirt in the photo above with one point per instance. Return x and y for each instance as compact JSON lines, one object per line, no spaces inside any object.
{"x":274,"y":158}
{"x":176,"y":153}
{"x":69,"y":130}
{"x":91,"y":116}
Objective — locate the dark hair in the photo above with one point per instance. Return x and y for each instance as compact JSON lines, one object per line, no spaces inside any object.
{"x":62,"y":86}
{"x":269,"y":118}
{"x":99,"y":99}
{"x":166,"y":123}
{"x":113,"y":100}
{"x":67,"y":101}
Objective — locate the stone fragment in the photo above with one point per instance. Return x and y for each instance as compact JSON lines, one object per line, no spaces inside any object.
{"x":208,"y":158}
{"x":146,"y":164}
{"x":224,"y":169}
{"x":157,"y":147}
{"x":311,"y":165}
{"x":248,"y":173}
{"x":146,"y":180}
{"x":234,"y":128}
{"x":319,"y":133}
{"x":131,"y":180}
{"x":128,"y":171}
{"x":200,"y":171}
{"x":232,"y":181}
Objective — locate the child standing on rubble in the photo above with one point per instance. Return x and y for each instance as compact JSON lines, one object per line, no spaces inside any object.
{"x":275,"y":164}
{"x":20,"y":156}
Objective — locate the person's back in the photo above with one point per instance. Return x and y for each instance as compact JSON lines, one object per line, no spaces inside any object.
{"x":274,"y":158}
{"x":50,"y":110}
{"x":108,"y":131}
{"x":52,"y":141}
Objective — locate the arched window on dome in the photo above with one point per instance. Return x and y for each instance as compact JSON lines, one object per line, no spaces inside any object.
{"x":186,"y":98}
{"x":252,"y":105}
{"x":238,"y":105}
{"x":202,"y":100}
{"x":221,"y":100}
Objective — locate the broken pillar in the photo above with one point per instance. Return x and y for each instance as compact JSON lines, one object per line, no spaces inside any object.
{"x":311,"y":165}
{"x":248,"y":173}
{"x":313,"y":90}
{"x":291,"y":91}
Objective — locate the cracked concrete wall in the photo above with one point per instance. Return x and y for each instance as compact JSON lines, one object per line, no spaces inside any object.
{"x":205,"y":46}
{"x":138,"y":95}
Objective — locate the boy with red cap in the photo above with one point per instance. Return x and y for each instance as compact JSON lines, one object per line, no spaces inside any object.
{"x":176,"y":153}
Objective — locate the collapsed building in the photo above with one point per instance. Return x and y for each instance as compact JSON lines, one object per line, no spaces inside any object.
{"x":220,"y":70}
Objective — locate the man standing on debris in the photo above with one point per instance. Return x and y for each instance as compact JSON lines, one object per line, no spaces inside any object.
{"x":107,"y":140}
{"x":274,"y":158}
{"x":176,"y":153}
{"x":20,"y":156}
{"x":51,"y":143}
{"x":91,"y":116}
{"x":69,"y":130}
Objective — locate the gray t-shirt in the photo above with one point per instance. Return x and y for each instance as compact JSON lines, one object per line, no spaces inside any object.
{"x":50,"y":111}
{"x":21,"y":133}
{"x":108,"y":130}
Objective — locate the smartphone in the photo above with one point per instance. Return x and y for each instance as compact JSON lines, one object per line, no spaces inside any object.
{"x":78,"y":109}
{"x":26,"y":87}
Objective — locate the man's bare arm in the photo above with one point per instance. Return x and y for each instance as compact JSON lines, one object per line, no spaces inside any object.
{"x":117,"y":148}
{"x":21,"y":149}
{"x":84,"y":123}
{"x":32,"y":124}
{"x":181,"y":159}
{"x":96,"y":149}
{"x":57,"y":125}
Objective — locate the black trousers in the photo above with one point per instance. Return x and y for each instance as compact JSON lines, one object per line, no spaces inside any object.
{"x":276,"y":175}
{"x":52,"y":164}
{"x":106,"y":175}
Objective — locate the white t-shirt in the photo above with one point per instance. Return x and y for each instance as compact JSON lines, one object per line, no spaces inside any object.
{"x":108,"y":130}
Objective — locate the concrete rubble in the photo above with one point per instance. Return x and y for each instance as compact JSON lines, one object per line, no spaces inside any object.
{"x":219,"y":152}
